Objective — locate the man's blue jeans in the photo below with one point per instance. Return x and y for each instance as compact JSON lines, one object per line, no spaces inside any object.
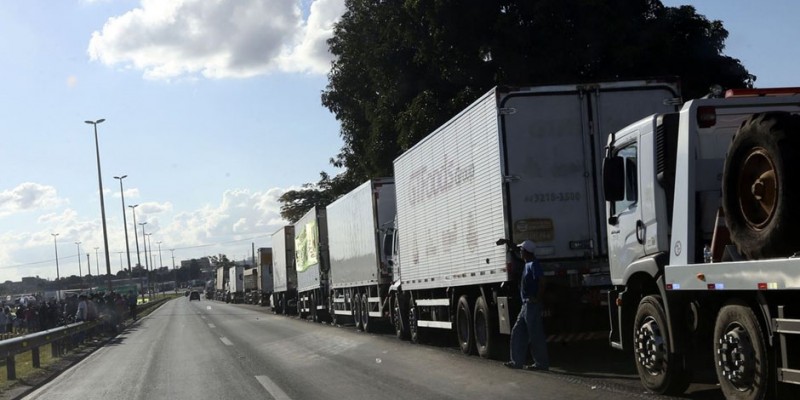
{"x":529,"y":333}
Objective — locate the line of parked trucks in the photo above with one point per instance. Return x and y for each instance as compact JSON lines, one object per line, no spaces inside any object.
{"x":674,"y":235}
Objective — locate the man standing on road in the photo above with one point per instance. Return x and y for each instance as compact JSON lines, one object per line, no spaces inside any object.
{"x":528,"y":332}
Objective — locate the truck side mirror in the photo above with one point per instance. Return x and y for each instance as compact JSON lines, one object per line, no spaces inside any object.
{"x":614,"y":178}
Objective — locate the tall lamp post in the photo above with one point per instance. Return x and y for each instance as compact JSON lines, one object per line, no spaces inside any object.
{"x":125,"y":220}
{"x":136,"y":234}
{"x":102,"y":203}
{"x":79,"y":258}
{"x":58,"y":277}
{"x":96,"y":262}
{"x":152,"y":261}
{"x":146,"y":264}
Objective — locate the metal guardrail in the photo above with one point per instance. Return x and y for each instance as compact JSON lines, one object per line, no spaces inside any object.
{"x":61,"y":339}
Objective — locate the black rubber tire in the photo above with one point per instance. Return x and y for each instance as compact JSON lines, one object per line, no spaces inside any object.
{"x":737,"y":323}
{"x":282,"y":305}
{"x":332,"y":310}
{"x":766,"y":226}
{"x":312,"y":300}
{"x":414,"y":335}
{"x":357,"y":310}
{"x":366,"y":324}
{"x":485,"y":330}
{"x":399,"y":317}
{"x":464,"y":326}
{"x":660,"y":367}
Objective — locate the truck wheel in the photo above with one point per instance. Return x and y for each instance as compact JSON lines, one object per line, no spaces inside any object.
{"x":413,"y":328}
{"x":365,"y":323}
{"x":399,"y":318}
{"x":466,"y":338}
{"x":761,"y":186}
{"x":313,"y":307}
{"x":357,"y":310}
{"x":332,"y":311}
{"x":660,"y":367}
{"x":740,"y":354}
{"x":281,"y":305}
{"x":485,"y":331}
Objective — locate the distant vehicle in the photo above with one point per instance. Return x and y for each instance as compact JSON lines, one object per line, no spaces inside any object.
{"x":186,"y":293}
{"x":194,"y":295}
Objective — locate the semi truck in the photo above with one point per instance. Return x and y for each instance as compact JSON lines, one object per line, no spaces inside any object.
{"x":312,"y":264}
{"x":360,"y":276}
{"x":236,"y":284}
{"x":284,"y":295}
{"x":703,"y":238}
{"x":221,"y":284}
{"x":518,"y":163}
{"x":250,"y":279}
{"x":265,"y":283}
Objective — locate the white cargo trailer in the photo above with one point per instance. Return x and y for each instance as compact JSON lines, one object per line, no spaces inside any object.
{"x":236,"y":284}
{"x":265,"y":283}
{"x":284,"y":296}
{"x":312,"y":264}
{"x":360,"y":274}
{"x":516,"y":164}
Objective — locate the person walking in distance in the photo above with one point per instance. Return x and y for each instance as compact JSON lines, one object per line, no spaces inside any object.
{"x":528,"y":332}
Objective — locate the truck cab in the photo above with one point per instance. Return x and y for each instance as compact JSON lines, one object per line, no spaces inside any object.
{"x":706,"y":184}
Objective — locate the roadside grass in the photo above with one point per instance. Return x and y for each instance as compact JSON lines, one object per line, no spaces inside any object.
{"x":25,"y":367}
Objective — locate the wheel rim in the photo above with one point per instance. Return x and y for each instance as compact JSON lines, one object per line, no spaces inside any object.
{"x":412,"y":322}
{"x":649,"y":347}
{"x":758,"y":188}
{"x":398,"y":323}
{"x":736,"y":357}
{"x":364,"y":311}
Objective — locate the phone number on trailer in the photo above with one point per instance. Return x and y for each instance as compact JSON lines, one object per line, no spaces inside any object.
{"x":553,"y":197}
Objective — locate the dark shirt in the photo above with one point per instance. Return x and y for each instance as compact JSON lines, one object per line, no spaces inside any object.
{"x":531,"y":275}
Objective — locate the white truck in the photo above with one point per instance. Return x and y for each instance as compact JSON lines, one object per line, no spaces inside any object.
{"x":312,"y":264}
{"x":703,"y":230}
{"x":266,"y":282}
{"x":236,"y":284}
{"x":360,"y":275}
{"x":521,"y":163}
{"x":284,"y":295}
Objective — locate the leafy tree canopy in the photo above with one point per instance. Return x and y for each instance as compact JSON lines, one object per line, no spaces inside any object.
{"x":404,"y":67}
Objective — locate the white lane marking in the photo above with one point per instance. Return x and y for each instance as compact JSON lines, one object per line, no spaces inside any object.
{"x":226,"y":341}
{"x":274,"y":390}
{"x":212,"y":326}
{"x":208,"y":307}
{"x":203,"y":316}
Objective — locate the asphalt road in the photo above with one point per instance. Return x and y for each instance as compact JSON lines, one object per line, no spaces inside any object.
{"x":211,"y":350}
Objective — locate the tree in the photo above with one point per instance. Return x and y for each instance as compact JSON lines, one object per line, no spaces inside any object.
{"x":403,"y":68}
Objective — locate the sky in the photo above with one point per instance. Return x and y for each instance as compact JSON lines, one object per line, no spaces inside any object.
{"x":212,"y":110}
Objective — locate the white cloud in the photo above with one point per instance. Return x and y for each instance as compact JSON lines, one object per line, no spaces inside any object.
{"x":28,"y":196}
{"x":218,"y":38}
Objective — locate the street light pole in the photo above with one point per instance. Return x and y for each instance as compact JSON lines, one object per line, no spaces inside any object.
{"x":58,"y":277}
{"x":125,"y":220}
{"x":96,"y":262}
{"x":102,"y":203}
{"x":150,"y":257}
{"x":136,"y":234}
{"x":79,"y":257}
{"x":147,"y":266}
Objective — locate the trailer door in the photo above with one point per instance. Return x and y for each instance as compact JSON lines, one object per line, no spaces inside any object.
{"x":553,"y":143}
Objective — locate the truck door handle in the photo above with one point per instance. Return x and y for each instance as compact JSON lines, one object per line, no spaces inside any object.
{"x":640,"y":231}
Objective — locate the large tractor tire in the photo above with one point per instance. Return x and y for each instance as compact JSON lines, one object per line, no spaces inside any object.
{"x":761,"y":186}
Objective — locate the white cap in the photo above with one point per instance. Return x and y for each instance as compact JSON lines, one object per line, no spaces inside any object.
{"x":528,"y":246}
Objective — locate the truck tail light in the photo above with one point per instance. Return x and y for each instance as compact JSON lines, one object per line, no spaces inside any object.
{"x":706,"y":116}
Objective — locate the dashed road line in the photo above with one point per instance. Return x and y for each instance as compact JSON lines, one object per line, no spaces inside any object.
{"x":212,"y":326}
{"x":226,"y":341}
{"x":274,"y":390}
